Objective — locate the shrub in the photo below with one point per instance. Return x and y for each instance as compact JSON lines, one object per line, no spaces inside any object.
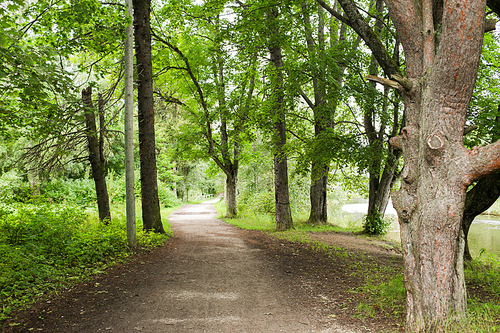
{"x":375,"y":224}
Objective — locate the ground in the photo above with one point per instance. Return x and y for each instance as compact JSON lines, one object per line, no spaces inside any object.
{"x":214,"y":277}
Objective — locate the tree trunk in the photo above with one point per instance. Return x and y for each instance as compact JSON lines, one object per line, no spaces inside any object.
{"x":231,"y":209}
{"x":381,"y":181}
{"x":483,"y":195}
{"x":322,"y":116}
{"x":174,"y":184}
{"x":282,"y":198}
{"x":318,"y":193}
{"x":442,"y":68}
{"x":96,"y":161}
{"x":147,"y":151}
{"x":442,"y":42}
{"x":230,"y":167}
{"x":381,"y":174}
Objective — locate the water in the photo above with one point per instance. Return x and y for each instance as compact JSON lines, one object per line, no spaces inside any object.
{"x":484,"y":232}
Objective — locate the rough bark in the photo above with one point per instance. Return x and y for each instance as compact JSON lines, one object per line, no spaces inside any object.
{"x":282,"y":198}
{"x":231,"y":210}
{"x":442,"y":63}
{"x":318,"y":193}
{"x":96,"y":157}
{"x":147,"y":151}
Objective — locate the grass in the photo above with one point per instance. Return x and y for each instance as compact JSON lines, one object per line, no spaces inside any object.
{"x":384,"y":291}
{"x":47,"y":247}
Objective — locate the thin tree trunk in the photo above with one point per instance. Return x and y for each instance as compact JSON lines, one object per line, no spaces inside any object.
{"x":96,"y":161}
{"x":282,"y":198}
{"x":147,"y":151}
{"x":376,"y":138}
{"x":482,"y":196}
{"x":174,"y":184}
{"x":230,"y":167}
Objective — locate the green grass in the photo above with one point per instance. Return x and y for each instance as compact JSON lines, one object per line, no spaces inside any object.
{"x":46,"y":247}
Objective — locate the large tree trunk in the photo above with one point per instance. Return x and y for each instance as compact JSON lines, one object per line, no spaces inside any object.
{"x":95,"y":157}
{"x":282,"y":198}
{"x":147,"y":151}
{"x":437,"y":168}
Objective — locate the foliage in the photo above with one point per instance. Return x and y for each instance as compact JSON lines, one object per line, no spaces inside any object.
{"x":166,"y":195}
{"x":76,"y":191}
{"x":375,"y":224}
{"x":44,"y":247}
{"x":256,"y":203}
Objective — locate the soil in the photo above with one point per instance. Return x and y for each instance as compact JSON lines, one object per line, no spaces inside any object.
{"x":214,"y":277}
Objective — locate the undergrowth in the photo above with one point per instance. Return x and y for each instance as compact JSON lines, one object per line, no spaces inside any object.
{"x":46,"y":247}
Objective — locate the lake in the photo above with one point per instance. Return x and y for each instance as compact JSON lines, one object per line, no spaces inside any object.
{"x":484,"y":231}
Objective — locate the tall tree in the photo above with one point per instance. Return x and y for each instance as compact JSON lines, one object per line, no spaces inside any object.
{"x":442,"y":43}
{"x":323,"y":115}
{"x":147,"y":151}
{"x":95,"y":142}
{"x":222,"y":118}
{"x":282,"y":197}
{"x":382,"y":169}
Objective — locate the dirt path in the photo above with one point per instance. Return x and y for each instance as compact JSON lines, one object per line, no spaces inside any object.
{"x":211,"y":277}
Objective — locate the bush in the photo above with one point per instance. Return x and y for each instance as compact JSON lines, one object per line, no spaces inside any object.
{"x":375,"y":224}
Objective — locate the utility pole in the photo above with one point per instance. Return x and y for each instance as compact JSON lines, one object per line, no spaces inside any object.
{"x":129,"y":129}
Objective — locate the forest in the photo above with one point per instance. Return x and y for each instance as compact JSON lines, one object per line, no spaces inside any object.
{"x":286,"y":108}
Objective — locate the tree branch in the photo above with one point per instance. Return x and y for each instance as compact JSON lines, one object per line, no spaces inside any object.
{"x":363,"y":29}
{"x":481,"y":161}
{"x":334,"y":13}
